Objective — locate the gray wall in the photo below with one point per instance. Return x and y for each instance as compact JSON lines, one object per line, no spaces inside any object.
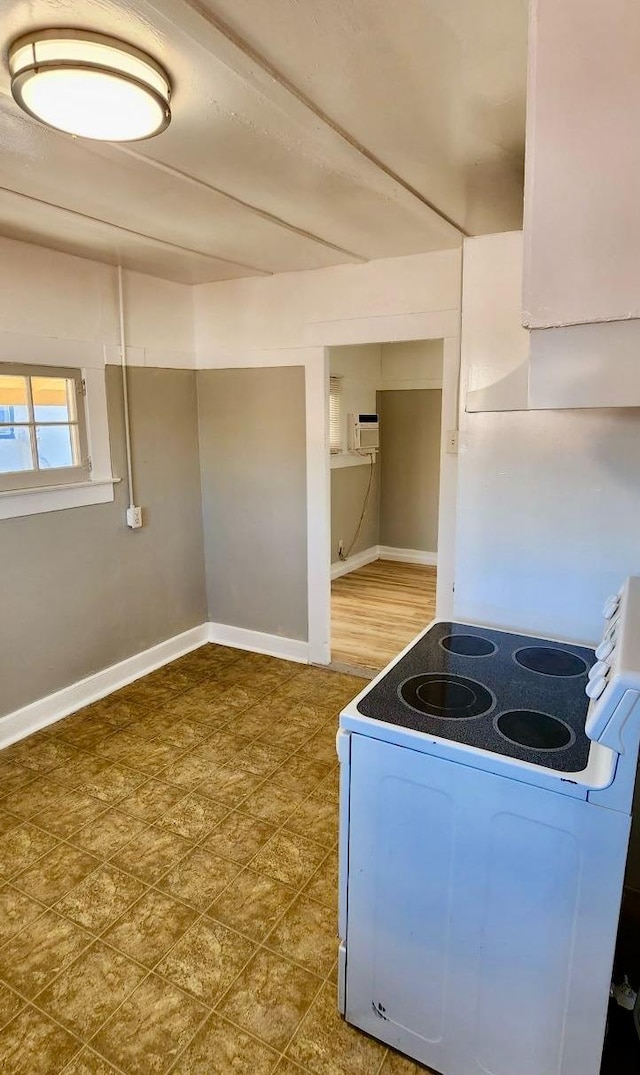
{"x":410,"y":463}
{"x":253,"y":464}
{"x":79,"y":590}
{"x":348,"y":489}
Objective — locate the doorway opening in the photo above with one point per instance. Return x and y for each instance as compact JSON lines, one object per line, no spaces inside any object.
{"x":385,"y":501}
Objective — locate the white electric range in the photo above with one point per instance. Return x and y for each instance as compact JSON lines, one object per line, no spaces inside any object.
{"x":486,"y":787}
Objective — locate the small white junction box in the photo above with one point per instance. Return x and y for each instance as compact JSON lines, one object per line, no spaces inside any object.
{"x":134,"y":518}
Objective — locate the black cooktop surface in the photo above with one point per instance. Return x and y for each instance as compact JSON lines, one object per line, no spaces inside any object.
{"x":511,"y":694}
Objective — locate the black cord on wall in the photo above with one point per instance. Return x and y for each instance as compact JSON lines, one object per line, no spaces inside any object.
{"x":345,"y":555}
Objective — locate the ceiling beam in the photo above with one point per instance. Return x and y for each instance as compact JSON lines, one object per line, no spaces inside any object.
{"x":136,"y":234}
{"x":178,"y":173}
{"x":274,"y":75}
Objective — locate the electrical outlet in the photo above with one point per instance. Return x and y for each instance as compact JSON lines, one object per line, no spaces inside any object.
{"x":134,"y":518}
{"x":340,"y":547}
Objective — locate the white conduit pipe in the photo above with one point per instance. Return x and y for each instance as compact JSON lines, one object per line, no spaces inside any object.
{"x":125,"y":390}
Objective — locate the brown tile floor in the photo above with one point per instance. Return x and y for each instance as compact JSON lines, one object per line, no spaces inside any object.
{"x":168,"y":880}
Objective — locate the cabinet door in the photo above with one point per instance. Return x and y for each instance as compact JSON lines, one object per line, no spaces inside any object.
{"x":581,"y":219}
{"x":481,"y":916}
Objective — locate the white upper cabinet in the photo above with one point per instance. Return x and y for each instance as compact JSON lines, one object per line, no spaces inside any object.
{"x":582,"y":177}
{"x":494,"y":345}
{"x":507,"y":368}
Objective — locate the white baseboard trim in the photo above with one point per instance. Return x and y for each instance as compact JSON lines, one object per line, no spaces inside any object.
{"x":291,"y":649}
{"x":31,"y":718}
{"x":359,"y":559}
{"x":408,"y":556}
{"x":382,"y":552}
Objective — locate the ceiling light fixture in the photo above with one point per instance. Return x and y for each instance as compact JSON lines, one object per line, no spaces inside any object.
{"x":89,"y":85}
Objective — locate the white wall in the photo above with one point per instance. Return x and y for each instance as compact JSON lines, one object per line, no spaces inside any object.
{"x":56,"y":308}
{"x":411,"y":364}
{"x":495,"y":345}
{"x":548,"y":501}
{"x":360,"y":370}
{"x":408,"y":298}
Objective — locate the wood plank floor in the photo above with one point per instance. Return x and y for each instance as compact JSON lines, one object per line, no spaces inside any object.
{"x":376,"y":610}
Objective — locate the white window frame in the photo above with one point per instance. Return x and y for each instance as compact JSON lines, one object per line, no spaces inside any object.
{"x":98,"y":488}
{"x":38,"y":476}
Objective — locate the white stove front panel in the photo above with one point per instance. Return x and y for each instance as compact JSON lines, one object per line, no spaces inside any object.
{"x":481,"y":914}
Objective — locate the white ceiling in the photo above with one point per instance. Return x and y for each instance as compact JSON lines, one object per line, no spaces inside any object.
{"x":305,"y":133}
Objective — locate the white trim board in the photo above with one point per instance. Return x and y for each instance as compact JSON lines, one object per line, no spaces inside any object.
{"x":382,"y":552}
{"x":359,"y":559}
{"x":31,"y":718}
{"x":408,"y":556}
{"x":16,"y":503}
{"x":290,"y":649}
{"x":349,"y":459}
{"x":416,"y":385}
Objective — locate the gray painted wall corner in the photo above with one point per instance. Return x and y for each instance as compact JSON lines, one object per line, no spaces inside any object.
{"x":252,"y":432}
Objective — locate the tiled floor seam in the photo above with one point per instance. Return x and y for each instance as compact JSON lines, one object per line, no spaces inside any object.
{"x":221,"y":998}
{"x":70,"y":1066}
{"x":75,"y":847}
{"x":36,"y":1007}
{"x":301,"y":1021}
{"x":157,"y":774}
{"x":100,"y":863}
{"x":279,"y":1055}
{"x":151,"y":711}
{"x":152,"y":969}
{"x":157,"y":823}
{"x":281,"y":828}
{"x":45,"y":907}
{"x":115,"y":1011}
{"x":382,"y":1062}
{"x":209,"y":1007}
{"x":99,"y":937}
{"x":229,"y":809}
{"x":205,"y":915}
{"x":149,"y":707}
{"x":143,"y":966}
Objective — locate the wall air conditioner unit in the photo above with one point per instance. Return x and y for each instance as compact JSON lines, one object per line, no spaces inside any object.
{"x":364,"y":433}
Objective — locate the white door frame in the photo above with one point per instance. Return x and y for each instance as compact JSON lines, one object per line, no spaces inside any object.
{"x":446,"y":501}
{"x":447,"y":504}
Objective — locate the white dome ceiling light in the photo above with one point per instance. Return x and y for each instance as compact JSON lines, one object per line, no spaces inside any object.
{"x":89,"y":85}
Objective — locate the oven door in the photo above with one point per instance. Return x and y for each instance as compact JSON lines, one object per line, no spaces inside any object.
{"x":481,"y":915}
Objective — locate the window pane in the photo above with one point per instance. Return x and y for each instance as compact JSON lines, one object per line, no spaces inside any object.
{"x":55,"y":447}
{"x":13,"y":399}
{"x":53,"y":399}
{"x":15,"y":449}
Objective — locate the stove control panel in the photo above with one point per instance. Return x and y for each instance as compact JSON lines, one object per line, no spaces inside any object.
{"x":614,"y":681}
